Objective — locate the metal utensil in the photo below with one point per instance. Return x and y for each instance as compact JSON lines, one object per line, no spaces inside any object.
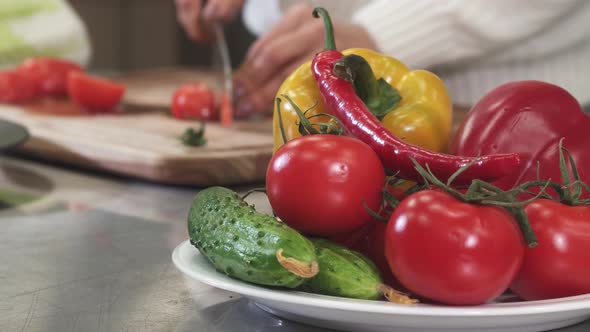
{"x":226,"y":108}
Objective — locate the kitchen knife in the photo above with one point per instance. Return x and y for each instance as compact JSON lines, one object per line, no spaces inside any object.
{"x":226,"y":105}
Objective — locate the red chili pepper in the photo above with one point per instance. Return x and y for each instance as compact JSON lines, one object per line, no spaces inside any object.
{"x":340,"y":96}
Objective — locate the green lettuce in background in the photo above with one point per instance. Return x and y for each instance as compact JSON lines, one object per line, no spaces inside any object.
{"x":25,"y":14}
{"x":11,"y":9}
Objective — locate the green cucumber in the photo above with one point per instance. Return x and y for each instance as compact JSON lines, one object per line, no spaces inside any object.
{"x":347,"y":273}
{"x":246,"y":244}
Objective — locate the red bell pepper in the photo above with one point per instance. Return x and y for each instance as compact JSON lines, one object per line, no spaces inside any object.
{"x":528,"y":118}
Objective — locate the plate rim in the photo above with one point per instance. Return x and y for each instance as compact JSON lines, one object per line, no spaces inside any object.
{"x":222,"y":281}
{"x":23,"y":134}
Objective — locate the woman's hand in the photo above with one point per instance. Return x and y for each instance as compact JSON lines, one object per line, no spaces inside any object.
{"x":292,"y":41}
{"x":193,"y":13}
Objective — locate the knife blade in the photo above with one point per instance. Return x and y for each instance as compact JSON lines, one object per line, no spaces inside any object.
{"x":226,"y":105}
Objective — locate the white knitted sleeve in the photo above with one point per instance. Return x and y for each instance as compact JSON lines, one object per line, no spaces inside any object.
{"x":426,"y":33}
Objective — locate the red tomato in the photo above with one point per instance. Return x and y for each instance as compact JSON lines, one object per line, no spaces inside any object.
{"x":317,"y":184}
{"x":94,"y":93}
{"x":15,"y":87}
{"x":50,"y":75}
{"x":558,"y":266}
{"x":450,"y":251}
{"x":194,"y":101}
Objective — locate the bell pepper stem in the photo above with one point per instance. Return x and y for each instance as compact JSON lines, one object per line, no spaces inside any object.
{"x":329,"y":42}
{"x":379,"y":97}
{"x":356,"y":69}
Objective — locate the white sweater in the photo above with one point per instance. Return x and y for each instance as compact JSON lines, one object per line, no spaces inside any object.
{"x":474,"y":45}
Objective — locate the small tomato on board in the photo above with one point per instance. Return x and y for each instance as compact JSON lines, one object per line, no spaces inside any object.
{"x":15,"y":87}
{"x":450,"y":251}
{"x":96,"y":94}
{"x":558,"y":266}
{"x":317,"y":184}
{"x":50,"y":75}
{"x":194,"y":101}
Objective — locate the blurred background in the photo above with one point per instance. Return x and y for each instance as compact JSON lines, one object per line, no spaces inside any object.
{"x":140,"y":34}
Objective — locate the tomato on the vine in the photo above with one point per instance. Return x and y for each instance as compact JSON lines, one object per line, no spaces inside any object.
{"x":194,"y":101}
{"x":558,"y":265}
{"x":320,"y":184}
{"x":451,"y":251}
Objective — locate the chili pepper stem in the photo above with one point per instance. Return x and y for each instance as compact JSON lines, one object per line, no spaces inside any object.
{"x":329,"y":41}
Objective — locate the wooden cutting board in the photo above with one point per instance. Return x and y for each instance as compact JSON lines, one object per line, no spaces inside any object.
{"x":149,"y":89}
{"x":142,"y":140}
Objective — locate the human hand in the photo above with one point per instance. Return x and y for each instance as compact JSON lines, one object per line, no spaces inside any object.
{"x":192,"y":13}
{"x":292,"y":41}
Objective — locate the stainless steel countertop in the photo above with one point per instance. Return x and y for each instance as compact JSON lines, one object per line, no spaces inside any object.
{"x":93,"y":254}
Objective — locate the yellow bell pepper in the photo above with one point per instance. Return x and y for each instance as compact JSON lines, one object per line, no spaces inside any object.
{"x":423,"y":116}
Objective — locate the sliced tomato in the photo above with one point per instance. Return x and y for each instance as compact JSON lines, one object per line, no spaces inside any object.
{"x":49,"y":74}
{"x":93,"y":93}
{"x":15,"y":87}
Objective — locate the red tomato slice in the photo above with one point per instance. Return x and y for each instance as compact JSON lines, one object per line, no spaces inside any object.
{"x":49,"y":74}
{"x":94,"y":93}
{"x":16,"y":87}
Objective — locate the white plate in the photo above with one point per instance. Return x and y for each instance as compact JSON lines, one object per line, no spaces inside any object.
{"x":361,"y":315}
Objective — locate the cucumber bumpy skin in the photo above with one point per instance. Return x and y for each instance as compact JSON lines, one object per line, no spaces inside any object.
{"x":246,"y":244}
